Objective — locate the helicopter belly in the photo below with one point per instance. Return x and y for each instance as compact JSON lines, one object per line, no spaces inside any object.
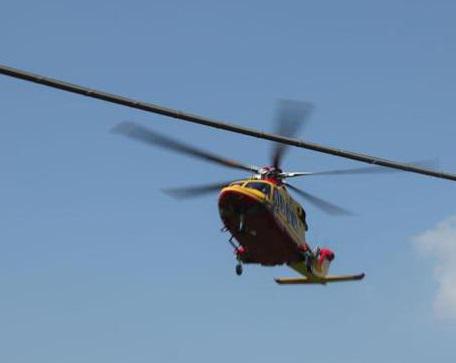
{"x":254,"y":225}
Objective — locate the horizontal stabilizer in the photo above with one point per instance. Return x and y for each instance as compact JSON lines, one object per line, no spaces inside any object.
{"x":318,"y":280}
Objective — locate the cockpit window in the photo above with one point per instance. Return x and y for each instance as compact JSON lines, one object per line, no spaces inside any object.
{"x":265,"y":188}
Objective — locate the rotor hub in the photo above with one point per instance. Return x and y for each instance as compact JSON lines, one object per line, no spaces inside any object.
{"x":271,"y":173}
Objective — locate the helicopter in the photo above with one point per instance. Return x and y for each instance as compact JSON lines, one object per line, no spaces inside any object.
{"x":266,"y":224}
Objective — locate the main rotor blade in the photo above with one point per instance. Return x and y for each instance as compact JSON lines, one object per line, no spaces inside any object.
{"x":149,"y":107}
{"x":195,"y":191}
{"x":325,"y":206}
{"x":138,"y":132}
{"x":363,"y":170}
{"x":291,"y":116}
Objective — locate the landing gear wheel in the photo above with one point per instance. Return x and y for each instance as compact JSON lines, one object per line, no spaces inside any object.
{"x":239,"y":269}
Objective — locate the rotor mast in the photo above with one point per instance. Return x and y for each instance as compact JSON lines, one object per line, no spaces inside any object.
{"x":149,"y":107}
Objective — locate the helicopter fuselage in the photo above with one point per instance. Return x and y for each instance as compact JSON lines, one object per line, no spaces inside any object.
{"x":265,"y":220}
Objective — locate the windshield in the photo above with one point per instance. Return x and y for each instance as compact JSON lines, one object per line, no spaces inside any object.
{"x":265,"y":188}
{"x":237,"y":183}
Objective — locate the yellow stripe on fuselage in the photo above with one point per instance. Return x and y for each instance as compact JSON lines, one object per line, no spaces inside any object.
{"x":252,"y":193}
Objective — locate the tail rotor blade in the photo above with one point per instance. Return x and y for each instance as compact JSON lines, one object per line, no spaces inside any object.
{"x":325,"y":206}
{"x":138,"y":132}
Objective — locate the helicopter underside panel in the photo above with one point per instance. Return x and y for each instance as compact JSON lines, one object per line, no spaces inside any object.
{"x":254,"y":225}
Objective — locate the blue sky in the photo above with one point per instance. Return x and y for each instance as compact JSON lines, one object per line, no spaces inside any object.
{"x":97,"y":264}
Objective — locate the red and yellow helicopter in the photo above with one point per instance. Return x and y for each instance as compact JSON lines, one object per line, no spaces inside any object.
{"x":266,"y":224}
